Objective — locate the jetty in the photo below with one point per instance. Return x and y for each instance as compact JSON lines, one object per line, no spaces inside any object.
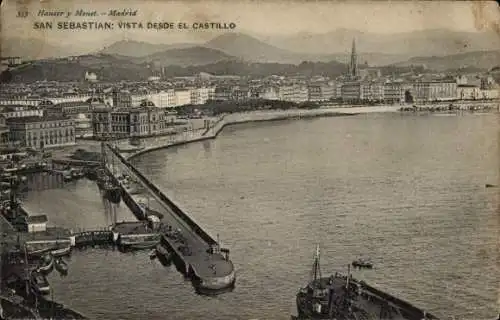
{"x":195,"y":253}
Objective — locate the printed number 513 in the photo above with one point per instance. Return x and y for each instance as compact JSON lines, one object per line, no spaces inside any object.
{"x":22,"y":14}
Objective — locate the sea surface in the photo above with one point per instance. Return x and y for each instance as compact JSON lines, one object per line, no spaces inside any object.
{"x":406,"y":190}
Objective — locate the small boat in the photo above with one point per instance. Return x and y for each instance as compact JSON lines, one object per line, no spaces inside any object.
{"x":39,"y":284}
{"x":362,"y":263}
{"x":61,"y":267}
{"x":163,"y":255}
{"x":61,"y":252}
{"x":133,"y":242}
{"x":47,"y":264}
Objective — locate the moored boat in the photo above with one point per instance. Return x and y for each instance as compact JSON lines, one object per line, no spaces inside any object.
{"x":362,"y":263}
{"x":61,"y":267}
{"x":39,"y":284}
{"x":131,"y":242}
{"x":342,"y":297}
{"x":46,"y":264}
{"x":163,"y":255}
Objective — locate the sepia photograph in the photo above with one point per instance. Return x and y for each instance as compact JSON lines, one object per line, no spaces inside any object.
{"x":250,"y":159}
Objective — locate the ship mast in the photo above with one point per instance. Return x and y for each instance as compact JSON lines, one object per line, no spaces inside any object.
{"x":316,"y":266}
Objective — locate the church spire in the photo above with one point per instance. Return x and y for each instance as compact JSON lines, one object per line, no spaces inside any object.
{"x":353,"y":65}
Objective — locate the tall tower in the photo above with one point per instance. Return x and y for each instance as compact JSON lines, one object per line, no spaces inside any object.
{"x":353,"y":65}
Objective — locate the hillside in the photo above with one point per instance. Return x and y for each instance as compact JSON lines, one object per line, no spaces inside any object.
{"x":484,"y":60}
{"x":105,"y":66}
{"x":132,"y":48}
{"x":110,"y":68}
{"x":185,"y":57}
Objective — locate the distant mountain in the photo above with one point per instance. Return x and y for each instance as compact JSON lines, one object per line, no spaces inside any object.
{"x":251,"y":49}
{"x":185,"y":57}
{"x":133,"y":48}
{"x":479,"y":60}
{"x":406,"y":45}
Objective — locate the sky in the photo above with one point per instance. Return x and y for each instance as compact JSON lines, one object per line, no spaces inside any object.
{"x":283,"y":17}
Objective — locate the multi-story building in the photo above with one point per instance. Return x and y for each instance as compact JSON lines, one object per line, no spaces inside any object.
{"x":70,"y":109}
{"x":239,"y":93}
{"x":42,"y":132}
{"x":4,"y":132}
{"x":468,"y":92}
{"x":321,"y":91}
{"x":268,"y":93}
{"x":293,"y":93}
{"x":434,"y":90}
{"x":352,"y":91}
{"x":182,"y":97}
{"x":122,"y":99}
{"x":145,"y":120}
{"x":394,"y":92}
{"x":163,"y":99}
{"x":222,"y":93}
{"x":372,"y":91}
{"x":201,"y":95}
{"x":138,"y":122}
{"x":19,"y":111}
{"x":4,"y":101}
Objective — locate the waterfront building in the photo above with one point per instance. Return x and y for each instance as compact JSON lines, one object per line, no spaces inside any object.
{"x":42,"y":132}
{"x":240,"y":93}
{"x":468,"y":92}
{"x":293,"y":93}
{"x":372,"y":91}
{"x":19,"y":111}
{"x":490,"y":94}
{"x":110,"y":123}
{"x":352,"y":91}
{"x":268,"y":93}
{"x":394,"y":92}
{"x":145,"y":120}
{"x":201,"y":95}
{"x":321,"y":91}
{"x":434,"y":90}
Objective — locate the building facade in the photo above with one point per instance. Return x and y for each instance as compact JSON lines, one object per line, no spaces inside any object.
{"x":426,"y":91}
{"x":42,"y":132}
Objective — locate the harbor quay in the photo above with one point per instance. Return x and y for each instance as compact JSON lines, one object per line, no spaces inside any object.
{"x":194,"y":252}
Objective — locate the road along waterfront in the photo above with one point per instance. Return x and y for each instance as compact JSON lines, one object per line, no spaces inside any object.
{"x":406,"y":190}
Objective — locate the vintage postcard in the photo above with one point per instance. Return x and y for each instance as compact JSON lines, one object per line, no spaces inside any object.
{"x":249,"y":160}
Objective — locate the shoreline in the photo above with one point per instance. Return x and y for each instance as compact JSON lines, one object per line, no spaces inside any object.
{"x":249,"y":117}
